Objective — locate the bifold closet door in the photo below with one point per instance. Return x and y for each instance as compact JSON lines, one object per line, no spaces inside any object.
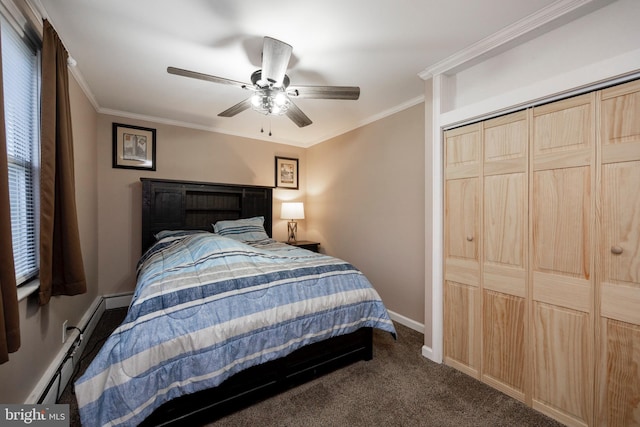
{"x":618,"y":375}
{"x":463,"y":162}
{"x":504,"y":261}
{"x":562,"y":286}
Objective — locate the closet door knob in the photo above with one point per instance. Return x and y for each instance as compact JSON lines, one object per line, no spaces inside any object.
{"x":616,"y":250}
{"x":470,"y":238}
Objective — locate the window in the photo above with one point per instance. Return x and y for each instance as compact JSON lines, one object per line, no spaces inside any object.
{"x":21,"y":85}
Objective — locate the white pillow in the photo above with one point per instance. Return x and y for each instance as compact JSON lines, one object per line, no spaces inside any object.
{"x":244,"y":230}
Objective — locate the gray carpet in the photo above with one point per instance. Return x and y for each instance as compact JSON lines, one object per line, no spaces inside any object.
{"x":399,"y":387}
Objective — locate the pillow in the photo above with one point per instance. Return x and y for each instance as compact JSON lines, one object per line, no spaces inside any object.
{"x":176,"y":233}
{"x":244,"y":230}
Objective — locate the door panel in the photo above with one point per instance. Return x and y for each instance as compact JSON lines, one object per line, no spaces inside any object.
{"x":618,"y":374}
{"x":562,"y":370}
{"x":505,"y":224}
{"x":462,"y":212}
{"x":506,"y":144}
{"x":505,"y":259}
{"x":462,"y":152}
{"x":561,"y":216}
{"x":621,"y":222}
{"x":620,"y":394}
{"x":561,"y":226}
{"x":620,"y":126}
{"x":462,"y":325}
{"x":562,"y":127}
{"x":462,"y":248}
{"x":503,"y":343}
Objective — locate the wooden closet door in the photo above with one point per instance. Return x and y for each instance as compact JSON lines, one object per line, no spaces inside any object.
{"x":504,"y":270}
{"x":618,"y":376}
{"x":462,"y":251}
{"x":562,"y":213}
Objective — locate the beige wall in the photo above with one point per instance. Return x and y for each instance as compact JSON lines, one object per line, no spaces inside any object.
{"x":40,"y":327}
{"x":366,"y":205}
{"x":184,"y":154}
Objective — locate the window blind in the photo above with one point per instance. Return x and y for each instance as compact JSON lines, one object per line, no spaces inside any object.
{"x":21,"y":84}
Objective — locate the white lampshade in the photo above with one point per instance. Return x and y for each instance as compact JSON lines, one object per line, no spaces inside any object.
{"x":292,"y":210}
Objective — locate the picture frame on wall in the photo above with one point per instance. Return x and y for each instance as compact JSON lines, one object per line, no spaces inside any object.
{"x":286,"y":173}
{"x":134,"y":147}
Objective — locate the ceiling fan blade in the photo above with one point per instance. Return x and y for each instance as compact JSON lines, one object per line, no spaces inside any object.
{"x":297,"y":116}
{"x":238,"y":108}
{"x":207,"y":77}
{"x":324,"y":92}
{"x":275,"y":60}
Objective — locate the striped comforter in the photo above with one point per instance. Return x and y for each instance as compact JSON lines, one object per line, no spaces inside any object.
{"x":206,"y":307}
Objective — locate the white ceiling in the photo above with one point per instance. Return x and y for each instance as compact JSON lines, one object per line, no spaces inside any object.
{"x":123,"y":48}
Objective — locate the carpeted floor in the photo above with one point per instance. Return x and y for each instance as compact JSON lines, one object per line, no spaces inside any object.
{"x":399,"y":387}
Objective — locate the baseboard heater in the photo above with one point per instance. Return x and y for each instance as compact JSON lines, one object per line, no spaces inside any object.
{"x":61,"y":369}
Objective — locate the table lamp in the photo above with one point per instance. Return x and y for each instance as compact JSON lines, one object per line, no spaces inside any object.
{"x":292,"y":211}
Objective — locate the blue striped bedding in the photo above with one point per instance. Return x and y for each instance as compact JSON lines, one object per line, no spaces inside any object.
{"x":206,"y":307}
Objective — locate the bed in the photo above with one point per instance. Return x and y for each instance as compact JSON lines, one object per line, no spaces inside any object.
{"x":222,"y":319}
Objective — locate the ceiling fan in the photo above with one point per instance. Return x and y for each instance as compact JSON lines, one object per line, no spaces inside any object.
{"x":270,"y":86}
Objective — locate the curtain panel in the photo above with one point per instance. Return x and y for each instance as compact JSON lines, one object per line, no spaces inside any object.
{"x":61,"y":266}
{"x":9,"y":315}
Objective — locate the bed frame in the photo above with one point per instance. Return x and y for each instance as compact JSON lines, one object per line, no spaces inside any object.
{"x":180,"y":205}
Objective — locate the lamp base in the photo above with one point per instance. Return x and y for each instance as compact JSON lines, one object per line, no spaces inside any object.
{"x":292,"y":230}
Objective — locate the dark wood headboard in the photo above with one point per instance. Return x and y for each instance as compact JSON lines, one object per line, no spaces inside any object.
{"x":188,"y":205}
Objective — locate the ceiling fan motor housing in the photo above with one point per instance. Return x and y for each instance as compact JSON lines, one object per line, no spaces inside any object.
{"x":258,"y":82}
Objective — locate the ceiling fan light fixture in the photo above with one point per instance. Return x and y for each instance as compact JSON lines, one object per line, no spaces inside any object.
{"x":280,"y":99}
{"x":270,"y":102}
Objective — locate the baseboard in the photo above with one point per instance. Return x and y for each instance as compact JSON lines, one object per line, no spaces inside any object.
{"x":429,"y":354}
{"x":412,"y":324}
{"x":409,"y":323}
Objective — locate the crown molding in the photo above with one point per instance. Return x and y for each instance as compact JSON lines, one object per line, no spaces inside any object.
{"x":389,"y":112}
{"x":71,"y":66}
{"x":557,"y":13}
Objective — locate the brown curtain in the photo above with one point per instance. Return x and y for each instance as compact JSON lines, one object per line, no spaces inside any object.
{"x":9,"y":318}
{"x":61,"y":267}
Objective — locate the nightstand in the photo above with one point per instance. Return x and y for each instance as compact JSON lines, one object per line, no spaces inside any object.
{"x":305,"y":244}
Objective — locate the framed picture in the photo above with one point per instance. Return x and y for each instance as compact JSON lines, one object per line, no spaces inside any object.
{"x":134,"y":147}
{"x":286,"y":173}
